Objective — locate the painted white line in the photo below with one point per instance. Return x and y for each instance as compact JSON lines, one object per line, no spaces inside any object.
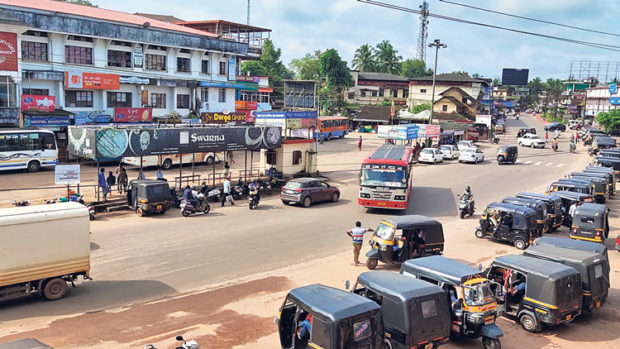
{"x":518,"y":162}
{"x":548,"y":164}
{"x":560,"y":165}
{"x":538,"y":163}
{"x":528,"y":162}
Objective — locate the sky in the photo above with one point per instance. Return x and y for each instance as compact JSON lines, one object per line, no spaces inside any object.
{"x":302,"y":26}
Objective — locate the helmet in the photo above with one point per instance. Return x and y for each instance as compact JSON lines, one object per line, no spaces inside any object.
{"x":467,"y":188}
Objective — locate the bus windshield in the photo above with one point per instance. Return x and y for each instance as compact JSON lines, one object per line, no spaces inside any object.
{"x":389,"y":177}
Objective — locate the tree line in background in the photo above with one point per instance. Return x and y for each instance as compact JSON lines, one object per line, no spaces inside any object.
{"x":384,"y":58}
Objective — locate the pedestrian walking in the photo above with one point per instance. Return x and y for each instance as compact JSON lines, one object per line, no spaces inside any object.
{"x":122,"y":181}
{"x":357,"y":237}
{"x":230,"y":157}
{"x":546,"y":136}
{"x":577,"y":137}
{"x":359,"y":144}
{"x":110,"y":181}
{"x":118,"y":169}
{"x":227,"y":196}
{"x":226,"y":169}
{"x":103,"y":184}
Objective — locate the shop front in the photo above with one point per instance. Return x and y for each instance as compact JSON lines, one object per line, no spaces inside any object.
{"x":57,"y":121}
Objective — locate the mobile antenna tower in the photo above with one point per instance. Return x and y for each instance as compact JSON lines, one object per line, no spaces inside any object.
{"x":421,"y":54}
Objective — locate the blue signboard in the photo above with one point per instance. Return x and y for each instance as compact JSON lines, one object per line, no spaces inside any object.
{"x":46,"y":120}
{"x":84,"y":117}
{"x":614,"y":100}
{"x":412,"y":131}
{"x":221,"y":84}
{"x":613,"y":88}
{"x":286,"y":115}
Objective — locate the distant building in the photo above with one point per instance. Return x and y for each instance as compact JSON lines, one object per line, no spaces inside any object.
{"x":374,"y":88}
{"x":600,"y":99}
{"x":421,"y":89}
{"x":455,"y":100}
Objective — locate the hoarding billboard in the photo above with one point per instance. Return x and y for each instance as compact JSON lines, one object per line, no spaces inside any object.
{"x":512,"y":76}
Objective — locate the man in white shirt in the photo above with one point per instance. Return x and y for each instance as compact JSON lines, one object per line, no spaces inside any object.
{"x":226,"y":195}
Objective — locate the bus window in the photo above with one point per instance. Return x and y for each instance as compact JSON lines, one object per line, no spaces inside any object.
{"x":47,"y":141}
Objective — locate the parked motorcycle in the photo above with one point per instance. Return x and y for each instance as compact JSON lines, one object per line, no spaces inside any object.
{"x":187,"y":208}
{"x":192,"y":344}
{"x":264,"y":186}
{"x":466,"y":207}
{"x":20,"y":203}
{"x":214,"y":195}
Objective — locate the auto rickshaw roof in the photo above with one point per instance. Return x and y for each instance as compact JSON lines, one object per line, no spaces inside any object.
{"x":595,"y":174}
{"x":570,"y":195}
{"x":572,"y":244}
{"x":506,"y":147}
{"x":574,"y":181}
{"x":524,"y":211}
{"x":599,"y":169}
{"x":593,"y":177}
{"x":530,"y":202}
{"x":607,"y":159}
{"x":542,"y":197}
{"x":553,"y":253}
{"x":589,"y":209}
{"x":414,"y":221}
{"x":442,"y":269}
{"x":397,"y":285}
{"x":535,"y":266}
{"x":604,"y":139}
{"x":331,"y":302}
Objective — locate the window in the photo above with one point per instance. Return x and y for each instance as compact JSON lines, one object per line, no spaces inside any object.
{"x":222,"y":96}
{"x":8,"y":92}
{"x":206,"y":66}
{"x":296,"y":157}
{"x":205,"y":95}
{"x":319,"y":333}
{"x":363,"y":93}
{"x":155,"y":47}
{"x":120,"y":59}
{"x":34,"y":51}
{"x":36,"y":33}
{"x":263,"y":97}
{"x":158,"y":100}
{"x":444,"y":107}
{"x":79,"y":38}
{"x":374,"y":93}
{"x":120,"y":43}
{"x":184,"y":50}
{"x":222,"y":68}
{"x":405,"y":93}
{"x":155,"y":62}
{"x":77,"y":99}
{"x":429,"y":309}
{"x":183,"y":101}
{"x":351,"y":95}
{"x":78,"y":55}
{"x":423,"y":90}
{"x":381,"y":92}
{"x":271,"y":158}
{"x":119,"y":99}
{"x":36,"y":91}
{"x":183,"y":64}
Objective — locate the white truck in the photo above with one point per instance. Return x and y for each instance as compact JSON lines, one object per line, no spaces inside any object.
{"x":43,"y":248}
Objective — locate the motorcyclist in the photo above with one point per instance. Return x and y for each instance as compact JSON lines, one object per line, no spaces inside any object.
{"x":555,"y":144}
{"x":469,"y":197}
{"x":189,"y":196}
{"x":253,"y":188}
{"x":204,"y":189}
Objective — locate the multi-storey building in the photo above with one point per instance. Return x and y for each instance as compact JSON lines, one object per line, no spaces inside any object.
{"x":420,"y":89}
{"x":374,"y":88}
{"x":601,"y":99}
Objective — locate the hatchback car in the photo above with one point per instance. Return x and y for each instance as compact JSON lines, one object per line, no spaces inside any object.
{"x":555,"y":126}
{"x":474,"y":155}
{"x":307,"y":191}
{"x":431,"y":155}
{"x":465,"y":144}
{"x":449,"y":152}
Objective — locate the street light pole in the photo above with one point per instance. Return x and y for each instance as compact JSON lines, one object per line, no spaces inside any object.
{"x":437,"y":44}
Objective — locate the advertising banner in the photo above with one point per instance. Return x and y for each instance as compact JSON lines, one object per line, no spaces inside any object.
{"x":433,"y":130}
{"x":46,"y":121}
{"x":92,"y":81}
{"x":398,"y":132}
{"x":251,"y":105}
{"x":245,"y":78}
{"x":67,"y":174}
{"x":84,"y":117}
{"x":133,"y":114}
{"x":613,"y":88}
{"x":232,"y":68}
{"x":41,"y":103}
{"x":138,"y":57}
{"x":8,"y":51}
{"x":221,"y":118}
{"x":240,"y":105}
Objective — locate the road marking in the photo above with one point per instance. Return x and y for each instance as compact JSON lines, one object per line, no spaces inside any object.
{"x":538,"y":163}
{"x":528,"y":162}
{"x":548,"y":164}
{"x":518,"y":161}
{"x":559,"y":165}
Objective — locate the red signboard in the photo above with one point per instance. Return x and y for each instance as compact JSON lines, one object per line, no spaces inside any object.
{"x":133,"y":114}
{"x":433,"y":130}
{"x":92,"y":81}
{"x":8,"y":51}
{"x":42,"y":103}
{"x":251,"y":105}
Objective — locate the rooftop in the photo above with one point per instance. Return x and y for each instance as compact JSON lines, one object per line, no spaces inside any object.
{"x":163,"y":18}
{"x":218,"y":25}
{"x":450,"y":78}
{"x":380,"y":76}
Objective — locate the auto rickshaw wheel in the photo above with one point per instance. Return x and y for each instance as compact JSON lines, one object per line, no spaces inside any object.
{"x":520,"y":244}
{"x":140,"y":212}
{"x":479,"y":234}
{"x":371,"y":263}
{"x":491,"y":343}
{"x":529,"y":323}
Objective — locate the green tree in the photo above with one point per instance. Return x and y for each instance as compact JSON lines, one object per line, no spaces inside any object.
{"x":420,"y":107}
{"x":497,"y":81}
{"x":364,"y":59}
{"x":476,"y":76}
{"x":307,"y":67}
{"x":387,"y":58}
{"x":338,"y":77}
{"x":554,"y":88}
{"x":414,"y":68}
{"x":269,"y":65}
{"x":460,"y":72}
{"x":609,"y":120}
{"x":535,"y":87}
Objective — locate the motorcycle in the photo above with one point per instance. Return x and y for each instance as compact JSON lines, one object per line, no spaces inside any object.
{"x":236,"y":191}
{"x":91,"y":212}
{"x":495,"y":140}
{"x":572,"y":148}
{"x":264,"y":186}
{"x":192,"y":344}
{"x":253,"y":201}
{"x":214,"y":195}
{"x":187,"y":208}
{"x":554,"y":146}
{"x":466,"y":207}
{"x":20,"y":203}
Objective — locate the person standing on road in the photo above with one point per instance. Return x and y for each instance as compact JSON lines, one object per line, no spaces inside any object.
{"x":111,"y":181}
{"x":226,"y":195}
{"x":103,"y":183}
{"x":230,"y":157}
{"x":577,"y":137}
{"x":572,"y":209}
{"x":226,"y":169}
{"x":359,"y":144}
{"x":159,"y":175}
{"x":357,"y":236}
{"x":122,"y":181}
{"x":546,"y":136}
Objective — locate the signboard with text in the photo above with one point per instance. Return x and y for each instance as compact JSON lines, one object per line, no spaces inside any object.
{"x":221,"y":118}
{"x":92,"y":81}
{"x":41,"y":103}
{"x":8,"y":51}
{"x":67,"y":174}
{"x":613,"y":88}
{"x":433,"y":130}
{"x":46,"y":120}
{"x":133,"y":114}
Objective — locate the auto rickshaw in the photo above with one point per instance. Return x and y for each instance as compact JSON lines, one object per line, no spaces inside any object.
{"x":416,"y":313}
{"x":610,"y":153}
{"x":534,"y":291}
{"x":317,"y":316}
{"x":568,"y":198}
{"x":473,"y":306}
{"x":507,"y":154}
{"x":606,"y":173}
{"x":400,"y":238}
{"x":147,"y":196}
{"x":590,"y":223}
{"x":554,"y":207}
{"x":507,"y":222}
{"x":499,"y":128}
{"x":525,"y":130}
{"x":601,"y":186}
{"x":536,"y":205}
{"x":580,"y":245}
{"x":590,"y":265}
{"x":608,"y":162}
{"x":574,"y":185}
{"x":603,"y":142}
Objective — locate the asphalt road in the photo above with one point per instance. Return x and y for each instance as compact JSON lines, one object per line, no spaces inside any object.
{"x":135,"y":258}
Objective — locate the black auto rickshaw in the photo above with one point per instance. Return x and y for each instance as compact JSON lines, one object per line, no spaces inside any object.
{"x":507,"y":222}
{"x":537,"y":205}
{"x":609,"y":162}
{"x":590,"y":265}
{"x":148,"y":196}
{"x":579,"y":245}
{"x":474,"y":309}
{"x":568,"y":198}
{"x":525,"y":130}
{"x":574,"y":185}
{"x":603,"y":142}
{"x":416,"y":313}
{"x":535,"y":291}
{"x":400,"y":238}
{"x":610,"y":153}
{"x":317,"y":316}
{"x":507,"y":154}
{"x":609,"y":173}
{"x":601,"y":185}
{"x":590,"y":223}
{"x":554,"y":207}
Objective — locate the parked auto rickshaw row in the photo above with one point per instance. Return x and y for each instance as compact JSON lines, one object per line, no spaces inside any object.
{"x":435,"y":298}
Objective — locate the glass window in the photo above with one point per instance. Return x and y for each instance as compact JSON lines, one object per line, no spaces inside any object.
{"x":429,"y":309}
{"x":206,"y":66}
{"x":183,"y":101}
{"x":119,"y":99}
{"x":78,"y":55}
{"x":385,"y":232}
{"x":296,"y":157}
{"x":36,"y":91}
{"x":423,"y":90}
{"x":396,"y":177}
{"x":154,"y":62}
{"x":8,"y":92}
{"x":183,"y":65}
{"x":205,"y":95}
{"x":121,"y":59}
{"x":47,"y":141}
{"x":361,"y":330}
{"x":34,"y":51}
{"x":78,"y":99}
{"x":222,"y":95}
{"x":222,"y":68}
{"x":444,"y":108}
{"x":79,"y":38}
{"x":158,"y":100}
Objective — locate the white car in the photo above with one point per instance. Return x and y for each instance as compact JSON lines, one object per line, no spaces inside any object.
{"x":531,"y":140}
{"x":466,"y":144}
{"x":474,"y":155}
{"x":431,"y":155}
{"x":449,"y":152}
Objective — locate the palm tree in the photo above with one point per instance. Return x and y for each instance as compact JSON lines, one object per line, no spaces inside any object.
{"x":363,"y":60}
{"x":387,"y":58}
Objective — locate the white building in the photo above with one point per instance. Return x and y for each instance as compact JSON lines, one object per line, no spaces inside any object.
{"x":599,"y":98}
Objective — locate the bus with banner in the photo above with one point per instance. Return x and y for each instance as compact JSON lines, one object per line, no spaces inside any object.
{"x":332,"y":127}
{"x":385,"y":178}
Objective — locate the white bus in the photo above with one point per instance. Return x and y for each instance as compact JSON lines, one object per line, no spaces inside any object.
{"x":166,"y":161}
{"x":29,"y":149}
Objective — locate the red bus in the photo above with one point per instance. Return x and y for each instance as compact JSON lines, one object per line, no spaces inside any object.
{"x":332,"y":127}
{"x":385,"y":178}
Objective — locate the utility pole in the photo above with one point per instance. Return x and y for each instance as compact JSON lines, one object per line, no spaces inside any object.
{"x":421,"y":54}
{"x":248,"y":13}
{"x":437,"y":44}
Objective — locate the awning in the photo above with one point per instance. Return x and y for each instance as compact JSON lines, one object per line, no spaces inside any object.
{"x":508,"y":104}
{"x":265,"y":89}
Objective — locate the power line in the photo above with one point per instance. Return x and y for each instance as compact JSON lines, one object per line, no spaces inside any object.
{"x":579,"y":42}
{"x":530,"y":19}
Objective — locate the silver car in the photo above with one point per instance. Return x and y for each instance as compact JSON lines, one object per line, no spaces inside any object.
{"x":449,"y":152}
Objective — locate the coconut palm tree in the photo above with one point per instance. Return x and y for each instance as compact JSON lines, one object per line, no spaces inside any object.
{"x":387,"y":58}
{"x":363,"y":60}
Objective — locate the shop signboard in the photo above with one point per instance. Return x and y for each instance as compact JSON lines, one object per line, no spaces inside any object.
{"x":138,"y":57}
{"x":248,"y":78}
{"x":41,"y":103}
{"x":46,"y":120}
{"x":134,"y":80}
{"x":613,"y":88}
{"x":412,"y":131}
{"x":398,"y":132}
{"x":67,"y":174}
{"x":232,"y":68}
{"x":92,"y":81}
{"x":133,"y":114}
{"x":221,"y":118}
{"x":614,"y":100}
{"x":9,"y":116}
{"x":240,"y":105}
{"x":251,"y":105}
{"x":84,"y":117}
{"x":222,"y":84}
{"x":422,"y":131}
{"x":8,"y":51}
{"x":433,"y":130}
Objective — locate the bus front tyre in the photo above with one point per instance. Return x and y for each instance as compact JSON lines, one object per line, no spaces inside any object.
{"x":34,"y":166}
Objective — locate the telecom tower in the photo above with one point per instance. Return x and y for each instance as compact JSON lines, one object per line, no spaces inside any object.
{"x":421,"y":55}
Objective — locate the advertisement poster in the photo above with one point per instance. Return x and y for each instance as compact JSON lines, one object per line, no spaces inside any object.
{"x":433,"y":130}
{"x":8,"y":51}
{"x":92,"y":81}
{"x":133,"y":114}
{"x":232,"y":68}
{"x":41,"y":103}
{"x":240,"y":105}
{"x":251,"y":105}
{"x":67,"y":174}
{"x":221,"y":118}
